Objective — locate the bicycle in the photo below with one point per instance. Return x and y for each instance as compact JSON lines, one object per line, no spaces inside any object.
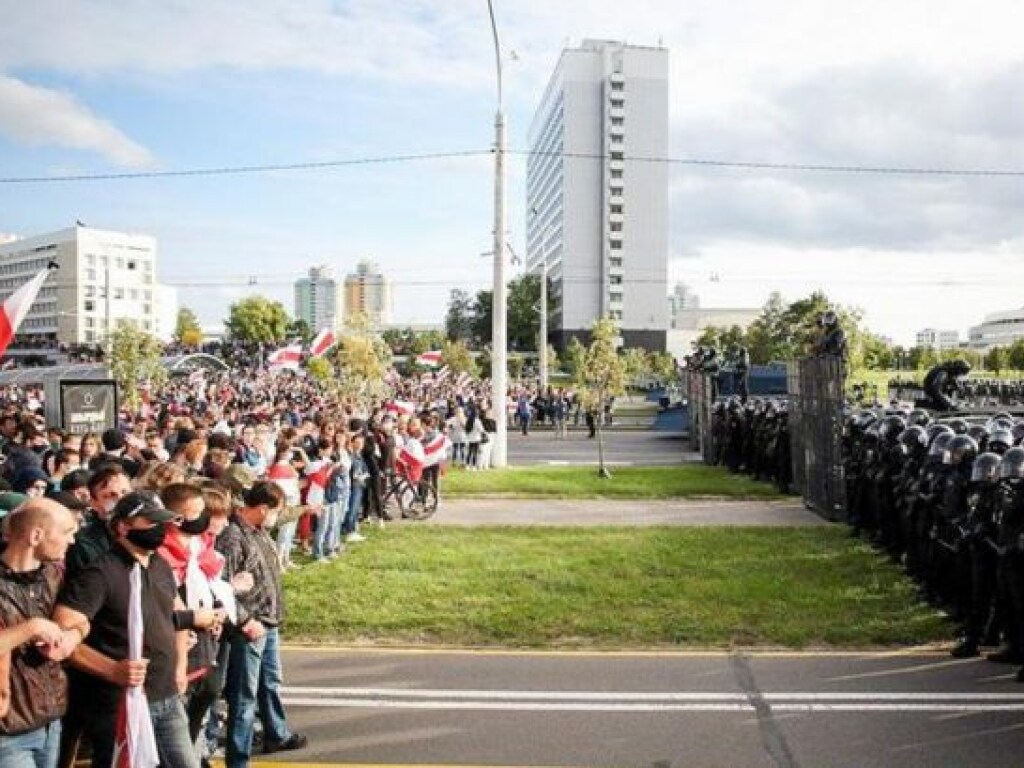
{"x":416,"y":501}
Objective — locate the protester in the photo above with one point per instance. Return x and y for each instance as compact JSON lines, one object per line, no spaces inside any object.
{"x":254,"y":665}
{"x":33,"y":687}
{"x":135,"y":654}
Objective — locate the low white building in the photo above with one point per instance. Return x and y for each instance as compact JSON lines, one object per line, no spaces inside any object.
{"x":103,"y":277}
{"x":999,"y":329}
{"x":933,"y":338}
{"x":688,"y":324}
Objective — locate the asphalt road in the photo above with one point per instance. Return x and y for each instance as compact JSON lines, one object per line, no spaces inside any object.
{"x":628,"y":447}
{"x":659,"y":710}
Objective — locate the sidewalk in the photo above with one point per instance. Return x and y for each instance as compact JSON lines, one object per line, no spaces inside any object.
{"x":475,"y":512}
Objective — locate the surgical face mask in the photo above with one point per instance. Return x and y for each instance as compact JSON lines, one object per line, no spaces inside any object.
{"x":148,"y":539}
{"x":197,"y":526}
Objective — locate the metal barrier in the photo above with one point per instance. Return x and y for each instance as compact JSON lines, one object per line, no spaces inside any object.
{"x":701,"y":392}
{"x":816,"y":433}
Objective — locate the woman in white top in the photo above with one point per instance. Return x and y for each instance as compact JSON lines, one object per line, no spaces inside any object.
{"x":457,"y":434}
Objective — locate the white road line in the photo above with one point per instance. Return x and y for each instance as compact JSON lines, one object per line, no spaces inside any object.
{"x":650,"y":702}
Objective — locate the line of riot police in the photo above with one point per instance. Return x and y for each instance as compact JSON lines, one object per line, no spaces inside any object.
{"x":946,"y":499}
{"x":753,"y":438}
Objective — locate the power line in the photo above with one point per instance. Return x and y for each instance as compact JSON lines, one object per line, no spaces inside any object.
{"x":238,"y":170}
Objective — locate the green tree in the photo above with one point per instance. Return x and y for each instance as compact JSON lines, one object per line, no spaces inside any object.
{"x":362,"y":358}
{"x":603,"y":377}
{"x":1015,"y":355}
{"x":515,"y":364}
{"x":257,"y":319}
{"x":299,"y":329}
{"x":135,"y":358}
{"x":482,"y":318}
{"x":663,"y":365}
{"x":524,"y":312}
{"x":458,"y":358}
{"x":768,"y":338}
{"x":458,"y":322}
{"x":636,"y":363}
{"x":186,"y":328}
{"x":997,"y":359}
{"x":320,"y":369}
{"x":575,"y":353}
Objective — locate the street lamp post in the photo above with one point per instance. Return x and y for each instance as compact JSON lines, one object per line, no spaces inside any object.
{"x":499,"y":354}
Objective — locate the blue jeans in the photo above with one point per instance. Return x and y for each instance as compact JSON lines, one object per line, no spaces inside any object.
{"x":170,"y":727}
{"x":340,"y":515}
{"x":254,"y":678}
{"x":355,"y":506}
{"x":285,"y":539}
{"x":325,"y":525}
{"x":34,"y":749}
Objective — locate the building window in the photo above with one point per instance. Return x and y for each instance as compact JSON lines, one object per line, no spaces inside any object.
{"x":615,"y":244}
{"x":90,"y":274}
{"x":618,"y":103}
{"x":618,"y":156}
{"x":616,"y":208}
{"x":90,"y":306}
{"x":90,"y":336}
{"x":618,"y":85}
{"x":90,"y":259}
{"x":618,"y":122}
{"x":615,"y":279}
{"x":90,"y":290}
{"x":119,"y":293}
{"x":133,"y":294}
{"x":617,"y":173}
{"x":616,"y":226}
{"x":147,"y":309}
{"x":90,"y":322}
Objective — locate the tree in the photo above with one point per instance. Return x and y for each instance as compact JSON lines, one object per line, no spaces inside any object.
{"x":997,"y":360}
{"x":186,"y":328}
{"x":1015,"y":355}
{"x":603,"y":376}
{"x":575,"y":353}
{"x":515,"y":366}
{"x":663,"y":365}
{"x":458,"y":323}
{"x":524,"y":312}
{"x":482,"y":323}
{"x":636,"y":363}
{"x":458,"y":358}
{"x":257,"y":319}
{"x":320,"y":369}
{"x":299,"y":329}
{"x":135,"y":358}
{"x":362,"y":359}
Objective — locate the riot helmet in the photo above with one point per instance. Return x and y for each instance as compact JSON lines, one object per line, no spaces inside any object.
{"x":961,"y":452}
{"x":1000,"y":441}
{"x":1012,"y":465}
{"x":920,"y":417}
{"x":978,"y":433}
{"x":939,"y":446}
{"x":890,"y":428}
{"x":934,"y":430}
{"x":986,"y":468}
{"x":913,"y":441}
{"x":958,"y":425}
{"x":1018,"y":432}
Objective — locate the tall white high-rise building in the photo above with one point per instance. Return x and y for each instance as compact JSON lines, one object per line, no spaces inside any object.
{"x":317,"y":298}
{"x":103,"y":277}
{"x":597,"y":195}
{"x":368,"y":292}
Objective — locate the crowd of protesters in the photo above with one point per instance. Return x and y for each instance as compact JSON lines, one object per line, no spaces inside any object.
{"x":141,"y":568}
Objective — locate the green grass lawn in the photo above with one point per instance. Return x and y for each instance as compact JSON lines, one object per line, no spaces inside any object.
{"x":609,"y":588}
{"x":685,"y":481}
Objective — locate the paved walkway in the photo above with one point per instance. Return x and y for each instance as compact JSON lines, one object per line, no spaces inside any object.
{"x":470,"y":512}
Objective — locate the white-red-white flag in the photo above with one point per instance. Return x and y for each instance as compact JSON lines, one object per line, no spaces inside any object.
{"x":401,"y":407}
{"x":18,"y":304}
{"x":463,"y":380}
{"x":286,"y":357}
{"x":442,"y":374}
{"x":411,"y":460}
{"x":323,"y":342}
{"x":429,"y":359}
{"x":436,"y":449}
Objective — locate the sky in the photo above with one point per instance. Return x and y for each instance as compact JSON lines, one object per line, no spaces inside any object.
{"x":108,"y":86}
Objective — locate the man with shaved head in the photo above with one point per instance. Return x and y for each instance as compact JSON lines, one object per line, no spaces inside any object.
{"x":33,"y":688}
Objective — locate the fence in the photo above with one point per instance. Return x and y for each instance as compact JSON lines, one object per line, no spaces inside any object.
{"x":700,"y":389}
{"x":816,"y":433}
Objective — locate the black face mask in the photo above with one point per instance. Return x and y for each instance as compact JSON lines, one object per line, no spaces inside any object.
{"x":197,"y":526}
{"x":148,"y":539}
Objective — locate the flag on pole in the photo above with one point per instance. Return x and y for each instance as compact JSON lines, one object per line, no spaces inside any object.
{"x":429,"y":359}
{"x":285,"y":358}
{"x":442,"y":374}
{"x":17,"y":305}
{"x":323,"y":342}
{"x":463,"y":380}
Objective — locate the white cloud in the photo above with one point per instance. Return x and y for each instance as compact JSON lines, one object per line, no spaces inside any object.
{"x":32,"y":115}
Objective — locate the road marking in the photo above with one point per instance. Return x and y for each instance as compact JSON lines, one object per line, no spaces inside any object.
{"x":647,"y":701}
{"x":929,"y":651}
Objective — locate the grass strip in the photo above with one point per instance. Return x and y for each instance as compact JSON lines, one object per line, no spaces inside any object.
{"x":609,"y":588}
{"x":683,"y":481}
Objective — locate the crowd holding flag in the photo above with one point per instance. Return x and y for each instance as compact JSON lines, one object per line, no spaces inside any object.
{"x":17,"y":305}
{"x":430,"y":359}
{"x":323,"y":343}
{"x":285,"y":358}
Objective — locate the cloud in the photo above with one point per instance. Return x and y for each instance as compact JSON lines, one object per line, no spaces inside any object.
{"x":33,"y":115}
{"x":883,"y":115}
